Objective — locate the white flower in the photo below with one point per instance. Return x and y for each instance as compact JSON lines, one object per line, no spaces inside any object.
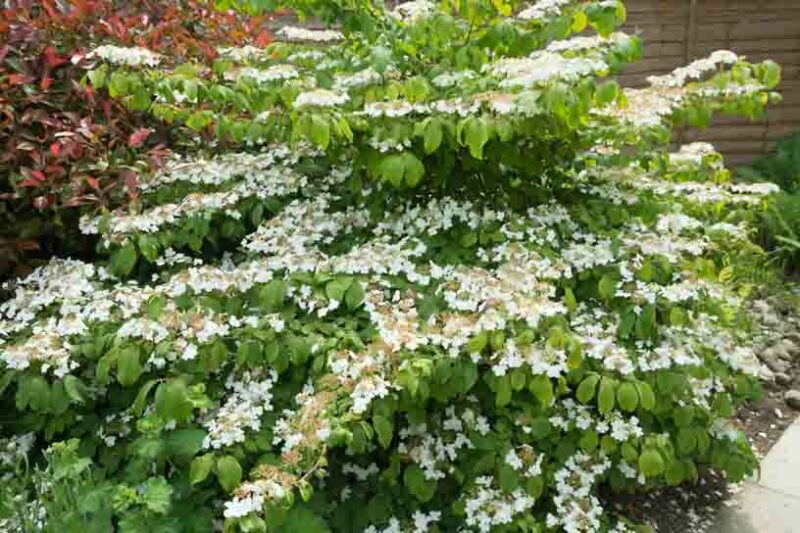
{"x":320,"y":98}
{"x":120,"y":55}
{"x":542,"y":9}
{"x":242,"y":410}
{"x":243,"y":53}
{"x":291,"y":33}
{"x":411,"y":11}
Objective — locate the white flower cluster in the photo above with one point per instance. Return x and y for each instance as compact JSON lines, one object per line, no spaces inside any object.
{"x":577,"y":509}
{"x":420,"y":523}
{"x":361,"y":78}
{"x":695,"y":70}
{"x":583,"y":43}
{"x":292,"y":33}
{"x":127,"y":56}
{"x":262,"y":180}
{"x":543,"y":66}
{"x":453,"y":79}
{"x":396,"y":108}
{"x":543,"y":9}
{"x":693,"y":154}
{"x":251,"y":496}
{"x":267,"y":75}
{"x":413,"y":10}
{"x":241,"y":53}
{"x":436,"y":451}
{"x":320,"y":98}
{"x":540,"y":357}
{"x":247,"y":402}
{"x":487,"y":507}
{"x":224,"y":168}
{"x":362,"y":374}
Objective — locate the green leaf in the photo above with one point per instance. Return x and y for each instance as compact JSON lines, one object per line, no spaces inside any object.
{"x":172,"y":400}
{"x":587,"y":388}
{"x":381,"y":56}
{"x":156,"y":494}
{"x":542,"y":388}
{"x":336,"y":288}
{"x":569,"y":300}
{"x":627,"y":397}
{"x":605,"y":396}
{"x":117,"y":84}
{"x":299,"y":349}
{"x":771,"y":74}
{"x":502,"y":391}
{"x":607,"y":286}
{"x":123,"y":260}
{"x":320,"y":131}
{"x":607,"y":92}
{"x":677,"y":317}
{"x":432,"y":136}
{"x":148,"y":246}
{"x":391,"y":169}
{"x":200,"y":468}
{"x":302,"y":519}
{"x":413,"y":170}
{"x":419,"y":487}
{"x":686,"y":440}
{"x":74,"y":388}
{"x":507,"y":478}
{"x":478,"y":342}
{"x":384,"y":429}
{"x":272,"y":295}
{"x":651,"y":463}
{"x":476,"y":135}
{"x":540,"y":427}
{"x":646,"y":396}
{"x":98,"y":76}
{"x":229,"y":472}
{"x":155,"y":306}
{"x":199,"y":120}
{"x":141,"y":397}
{"x":129,"y":366}
{"x":184,"y":443}
{"x":354,"y":296}
{"x":589,"y":441}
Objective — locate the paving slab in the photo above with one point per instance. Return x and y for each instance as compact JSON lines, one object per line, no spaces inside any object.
{"x":769,"y":503}
{"x":780,"y":469}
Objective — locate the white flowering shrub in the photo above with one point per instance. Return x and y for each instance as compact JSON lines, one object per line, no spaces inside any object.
{"x":449,"y":278}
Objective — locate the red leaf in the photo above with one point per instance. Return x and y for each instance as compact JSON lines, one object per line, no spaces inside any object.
{"x":46,"y":82}
{"x":19,"y":79}
{"x":55,"y":149}
{"x":93,"y":183}
{"x":131,"y":183}
{"x":52,"y":58}
{"x":138,"y":137}
{"x":39,"y":175}
{"x":263,"y":38}
{"x":28,"y":182}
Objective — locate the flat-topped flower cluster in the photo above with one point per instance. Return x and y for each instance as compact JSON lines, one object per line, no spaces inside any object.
{"x":431,"y":300}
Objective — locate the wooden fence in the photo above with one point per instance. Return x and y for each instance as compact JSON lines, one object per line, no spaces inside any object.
{"x":677,"y":31}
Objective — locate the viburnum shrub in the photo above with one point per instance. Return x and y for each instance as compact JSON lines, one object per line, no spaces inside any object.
{"x":445,"y":276}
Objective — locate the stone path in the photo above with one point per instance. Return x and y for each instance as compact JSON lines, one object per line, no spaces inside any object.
{"x":771,"y":503}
